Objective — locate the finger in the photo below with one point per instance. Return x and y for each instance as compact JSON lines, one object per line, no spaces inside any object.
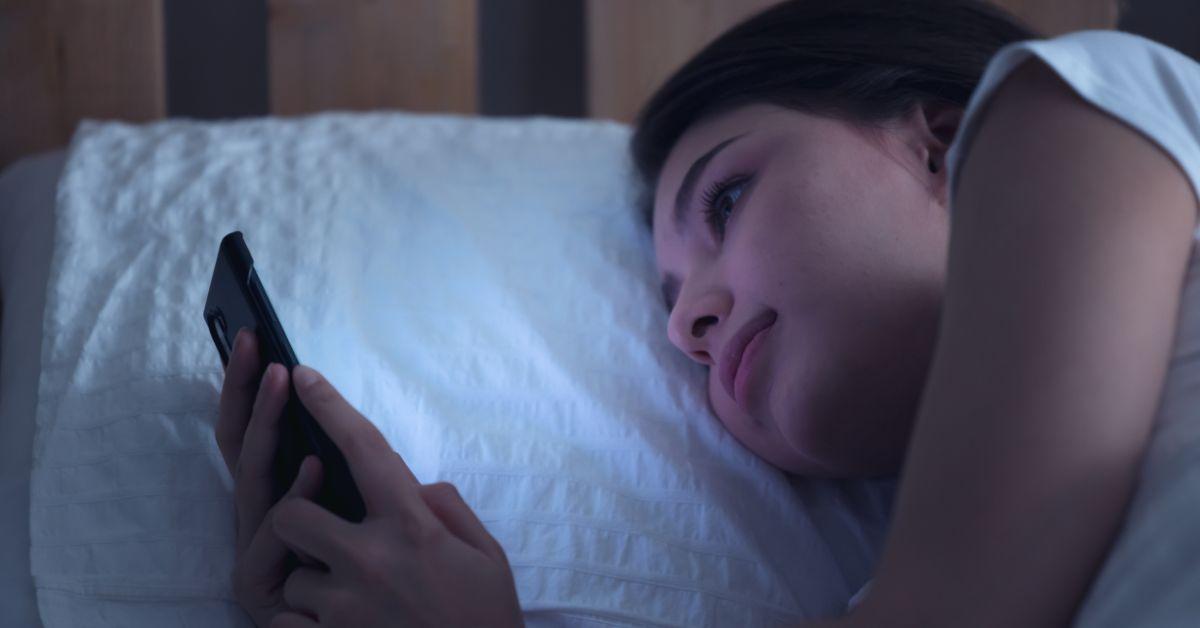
{"x":237,"y":395}
{"x":384,"y":480}
{"x":306,"y":590}
{"x":263,"y":561}
{"x":253,"y":469}
{"x":307,"y":528}
{"x":292,"y":620}
{"x":448,"y":505}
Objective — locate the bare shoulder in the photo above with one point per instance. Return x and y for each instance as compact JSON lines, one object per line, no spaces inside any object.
{"x":1069,"y":242}
{"x":1039,"y":131}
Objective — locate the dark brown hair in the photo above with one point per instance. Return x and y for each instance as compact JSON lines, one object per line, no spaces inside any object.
{"x":865,"y":61}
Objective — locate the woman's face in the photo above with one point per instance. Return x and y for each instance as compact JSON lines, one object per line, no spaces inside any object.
{"x":832,"y":241}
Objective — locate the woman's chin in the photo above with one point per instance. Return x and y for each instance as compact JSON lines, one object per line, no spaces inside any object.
{"x":801,"y":437}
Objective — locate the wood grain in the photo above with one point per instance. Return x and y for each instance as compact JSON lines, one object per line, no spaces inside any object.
{"x":633,"y":45}
{"x":371,"y":54}
{"x":65,"y":60}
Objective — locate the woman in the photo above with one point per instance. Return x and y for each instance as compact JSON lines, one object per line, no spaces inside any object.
{"x":803,"y":169}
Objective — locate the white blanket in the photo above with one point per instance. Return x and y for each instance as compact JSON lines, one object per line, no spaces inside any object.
{"x":485,"y":292}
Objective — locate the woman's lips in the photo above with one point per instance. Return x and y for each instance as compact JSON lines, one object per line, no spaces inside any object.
{"x":745,"y":366}
{"x":735,"y":352}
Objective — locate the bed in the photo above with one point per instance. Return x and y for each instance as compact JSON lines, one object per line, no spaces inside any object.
{"x":392,"y":213}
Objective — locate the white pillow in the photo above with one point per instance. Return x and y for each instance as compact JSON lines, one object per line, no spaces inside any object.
{"x":485,"y":292}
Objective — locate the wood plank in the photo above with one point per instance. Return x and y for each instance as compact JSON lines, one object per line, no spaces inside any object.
{"x":633,"y":45}
{"x":372,"y":54}
{"x":64,"y":60}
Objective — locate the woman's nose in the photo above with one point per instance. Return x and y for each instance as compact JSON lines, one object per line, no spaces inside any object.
{"x":703,"y":303}
{"x":692,"y":334}
{"x":701,"y":325}
{"x":701,"y":349}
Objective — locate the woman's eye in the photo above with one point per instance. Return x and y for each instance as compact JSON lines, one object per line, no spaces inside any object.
{"x":719,"y":201}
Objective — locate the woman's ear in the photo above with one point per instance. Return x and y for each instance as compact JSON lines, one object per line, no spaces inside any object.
{"x":943,"y":120}
{"x":936,"y":125}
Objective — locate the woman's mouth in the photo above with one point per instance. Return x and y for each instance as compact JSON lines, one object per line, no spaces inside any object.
{"x":738,"y":355}
{"x":746,"y":367}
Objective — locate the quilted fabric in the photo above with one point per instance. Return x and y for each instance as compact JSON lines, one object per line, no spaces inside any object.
{"x":484,"y":291}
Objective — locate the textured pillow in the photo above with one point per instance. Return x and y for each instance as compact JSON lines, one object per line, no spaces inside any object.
{"x":485,"y":292}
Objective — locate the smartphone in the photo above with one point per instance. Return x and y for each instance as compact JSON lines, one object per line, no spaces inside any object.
{"x":236,"y":299}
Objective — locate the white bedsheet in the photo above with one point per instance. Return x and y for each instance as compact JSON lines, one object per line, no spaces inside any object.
{"x":484,"y":291}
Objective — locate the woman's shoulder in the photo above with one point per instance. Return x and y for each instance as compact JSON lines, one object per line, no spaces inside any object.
{"x":1144,"y":84}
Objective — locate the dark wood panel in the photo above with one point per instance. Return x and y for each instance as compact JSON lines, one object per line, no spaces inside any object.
{"x":216,"y":52}
{"x":1175,"y":23}
{"x":531,"y":57}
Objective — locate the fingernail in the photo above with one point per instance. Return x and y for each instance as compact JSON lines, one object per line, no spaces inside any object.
{"x":310,"y":467}
{"x":271,"y":373}
{"x":237,"y":340}
{"x":303,"y":472}
{"x":304,"y":376}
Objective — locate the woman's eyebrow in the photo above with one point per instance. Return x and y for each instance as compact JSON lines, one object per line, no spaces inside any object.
{"x":684,"y":197}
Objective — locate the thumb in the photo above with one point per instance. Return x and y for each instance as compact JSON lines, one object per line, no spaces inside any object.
{"x":308,"y":479}
{"x":306,"y":485}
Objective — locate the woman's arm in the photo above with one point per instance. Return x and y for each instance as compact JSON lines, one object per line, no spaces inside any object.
{"x":1070,"y":237}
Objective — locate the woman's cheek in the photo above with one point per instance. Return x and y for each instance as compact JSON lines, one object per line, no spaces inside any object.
{"x":758,"y":434}
{"x":805,"y":400}
{"x":719,"y":401}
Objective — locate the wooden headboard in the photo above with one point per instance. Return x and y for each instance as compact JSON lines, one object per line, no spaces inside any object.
{"x":64,"y":60}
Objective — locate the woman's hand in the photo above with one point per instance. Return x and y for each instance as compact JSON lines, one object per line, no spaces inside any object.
{"x":247,"y":433}
{"x":420,"y":557}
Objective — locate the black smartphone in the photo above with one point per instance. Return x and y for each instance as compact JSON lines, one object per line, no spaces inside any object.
{"x":236,"y":299}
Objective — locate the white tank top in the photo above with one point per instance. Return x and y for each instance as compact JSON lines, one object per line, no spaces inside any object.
{"x":1152,"y":575}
